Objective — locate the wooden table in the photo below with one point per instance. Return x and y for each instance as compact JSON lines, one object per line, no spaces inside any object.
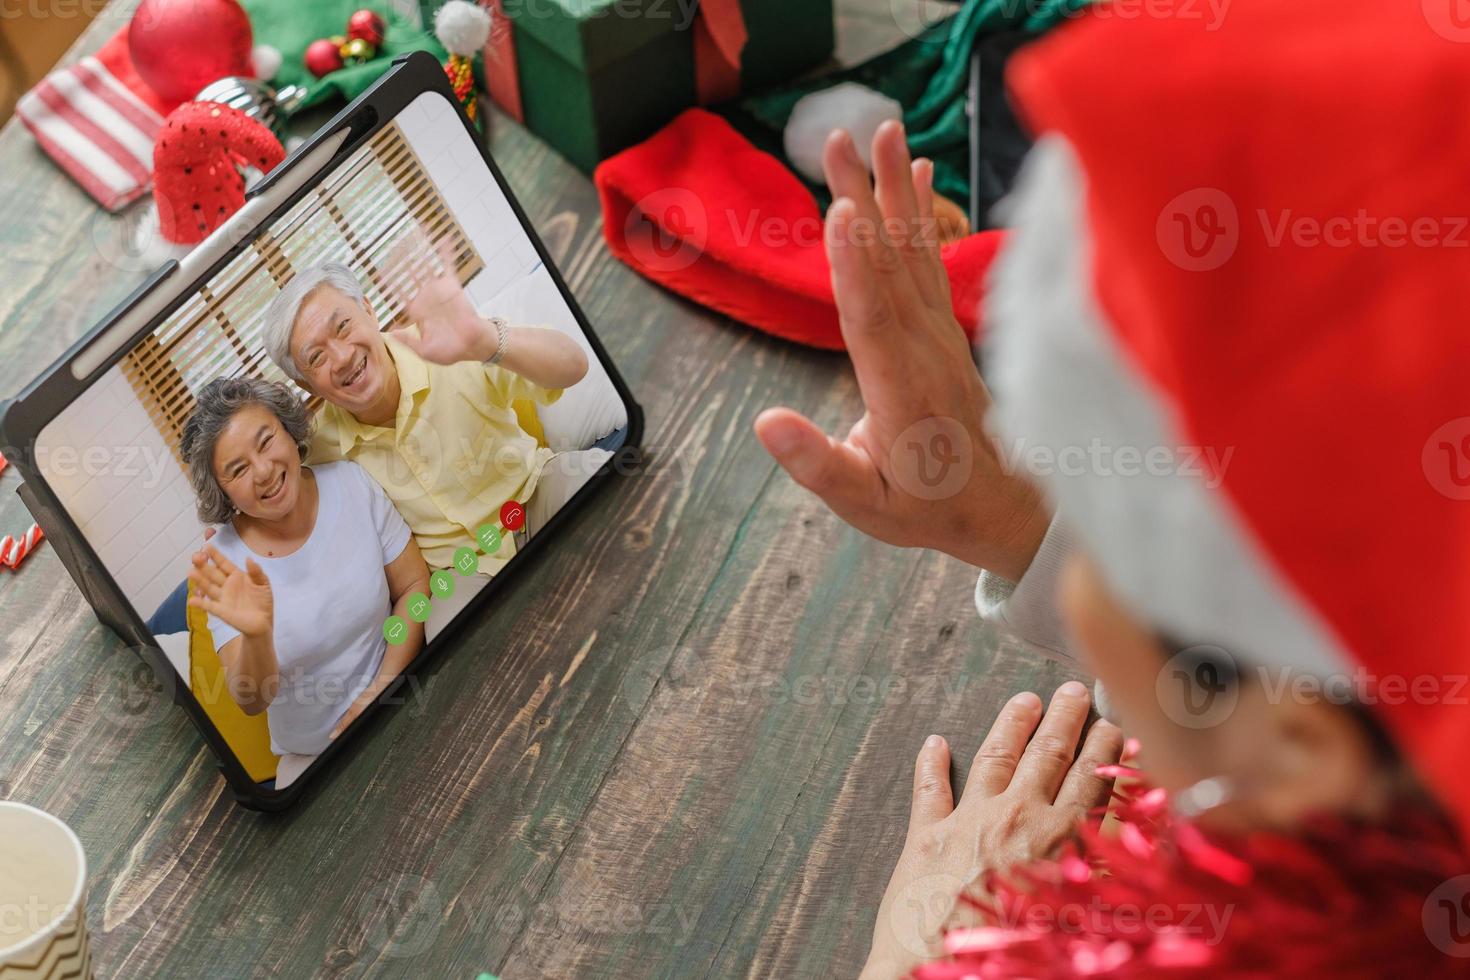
{"x":680,"y":747}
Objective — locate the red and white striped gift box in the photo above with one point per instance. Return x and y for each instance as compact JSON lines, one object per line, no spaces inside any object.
{"x":97,"y":119}
{"x":95,"y":129}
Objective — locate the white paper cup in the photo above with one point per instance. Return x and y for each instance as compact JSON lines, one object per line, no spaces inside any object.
{"x":43,"y":890}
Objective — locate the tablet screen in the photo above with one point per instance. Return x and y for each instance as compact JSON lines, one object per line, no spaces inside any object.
{"x":367,"y":413}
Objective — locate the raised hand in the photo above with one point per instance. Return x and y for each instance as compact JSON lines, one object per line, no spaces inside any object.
{"x":450,"y":329}
{"x":1028,"y":787}
{"x":918,"y":469}
{"x":240,"y":597}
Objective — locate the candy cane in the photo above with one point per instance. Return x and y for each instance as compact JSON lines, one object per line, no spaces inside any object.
{"x":14,"y":550}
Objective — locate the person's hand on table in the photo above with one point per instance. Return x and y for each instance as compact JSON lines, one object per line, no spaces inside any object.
{"x":1022,"y":799}
{"x":892,"y":476}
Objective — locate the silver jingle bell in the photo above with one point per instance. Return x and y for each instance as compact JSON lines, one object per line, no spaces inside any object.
{"x":256,"y":99}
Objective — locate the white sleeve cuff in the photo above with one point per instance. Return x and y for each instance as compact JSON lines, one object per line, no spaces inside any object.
{"x":1028,"y":608}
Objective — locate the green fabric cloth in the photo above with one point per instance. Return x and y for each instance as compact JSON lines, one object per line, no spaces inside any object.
{"x":927,"y":75}
{"x":291,"y":25}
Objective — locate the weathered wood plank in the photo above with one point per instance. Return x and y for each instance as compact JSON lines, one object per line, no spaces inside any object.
{"x":680,"y":746}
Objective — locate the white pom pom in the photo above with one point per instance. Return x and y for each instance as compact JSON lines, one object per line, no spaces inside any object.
{"x":462,"y":27}
{"x":850,"y":106}
{"x":265,"y":61}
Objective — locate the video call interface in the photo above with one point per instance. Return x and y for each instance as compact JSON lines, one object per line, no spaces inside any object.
{"x":315,"y":463}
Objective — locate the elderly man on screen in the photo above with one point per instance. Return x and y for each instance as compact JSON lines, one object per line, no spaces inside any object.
{"x":428,"y":409}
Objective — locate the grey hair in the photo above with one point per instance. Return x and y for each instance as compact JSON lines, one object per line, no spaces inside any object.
{"x":280,"y":316}
{"x":217,"y":403}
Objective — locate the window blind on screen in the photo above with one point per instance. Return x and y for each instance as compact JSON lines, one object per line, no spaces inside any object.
{"x":376,"y":201}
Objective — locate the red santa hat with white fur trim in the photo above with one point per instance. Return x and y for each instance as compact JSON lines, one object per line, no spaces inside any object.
{"x":1251,"y":241}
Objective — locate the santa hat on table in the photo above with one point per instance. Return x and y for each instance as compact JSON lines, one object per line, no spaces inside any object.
{"x":1253,"y":240}
{"x":700,"y":210}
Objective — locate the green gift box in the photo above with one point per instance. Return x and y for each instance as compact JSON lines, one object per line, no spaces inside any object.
{"x":592,"y":77}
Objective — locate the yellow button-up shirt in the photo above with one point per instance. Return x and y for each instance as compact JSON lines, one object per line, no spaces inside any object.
{"x":455,"y":454}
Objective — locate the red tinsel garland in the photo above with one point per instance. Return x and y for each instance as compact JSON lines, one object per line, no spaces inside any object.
{"x":1163,"y":898}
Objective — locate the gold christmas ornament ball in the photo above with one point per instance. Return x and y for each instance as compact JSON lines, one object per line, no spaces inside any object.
{"x":357,"y":50}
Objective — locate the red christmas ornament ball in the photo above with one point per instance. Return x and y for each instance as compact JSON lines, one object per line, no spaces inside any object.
{"x":367,"y":25}
{"x":323,"y":57}
{"x":180,"y":46}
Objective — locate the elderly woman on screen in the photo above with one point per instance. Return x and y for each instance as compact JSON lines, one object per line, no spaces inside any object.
{"x":306,"y":566}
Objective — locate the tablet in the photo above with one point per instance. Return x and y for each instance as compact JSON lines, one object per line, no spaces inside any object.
{"x":290,"y":465}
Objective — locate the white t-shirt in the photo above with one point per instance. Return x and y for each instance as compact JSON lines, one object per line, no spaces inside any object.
{"x":331,"y":597}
